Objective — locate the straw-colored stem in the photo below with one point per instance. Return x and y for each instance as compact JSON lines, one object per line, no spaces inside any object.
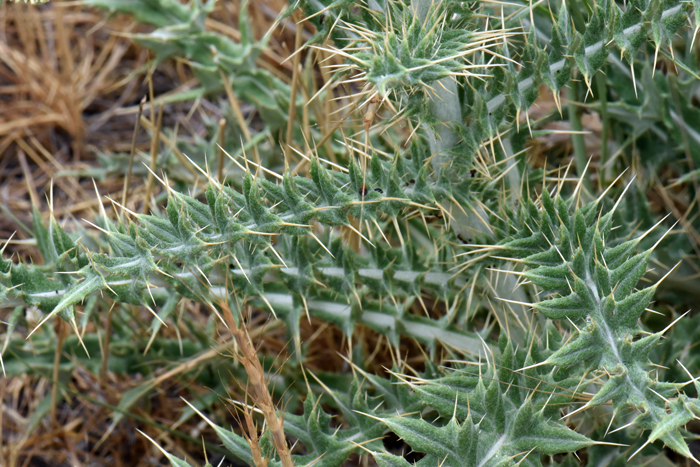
{"x":328,"y":106}
{"x":222,"y":140}
{"x":258,"y":386}
{"x":240,"y":119}
{"x":154,"y":156}
{"x":294,"y":85}
{"x":127,"y":180}
{"x":60,"y":331}
{"x":105,"y":346}
{"x":170,"y":143}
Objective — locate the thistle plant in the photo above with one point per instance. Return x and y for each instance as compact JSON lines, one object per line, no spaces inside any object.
{"x":556,"y":268}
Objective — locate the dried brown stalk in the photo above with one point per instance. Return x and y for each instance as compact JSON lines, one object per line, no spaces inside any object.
{"x":222,"y":139}
{"x":259,"y":391}
{"x":154,"y":155}
{"x":127,"y":180}
{"x":294,"y":85}
{"x":240,"y":119}
{"x":252,"y":436}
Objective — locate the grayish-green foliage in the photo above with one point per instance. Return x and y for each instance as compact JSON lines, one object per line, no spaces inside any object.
{"x":583,"y":349}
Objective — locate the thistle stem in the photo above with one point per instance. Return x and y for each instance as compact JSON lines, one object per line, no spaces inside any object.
{"x":603,"y":98}
{"x":580,"y":157}
{"x":222,"y":141}
{"x":61,"y":333}
{"x":154,"y":158}
{"x":574,"y":110}
{"x":127,"y":180}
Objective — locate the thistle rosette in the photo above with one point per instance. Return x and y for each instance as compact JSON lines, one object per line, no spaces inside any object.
{"x":406,"y":46}
{"x":410,"y":54}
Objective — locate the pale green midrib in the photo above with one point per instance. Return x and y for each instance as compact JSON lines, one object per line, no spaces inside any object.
{"x":421,"y":330}
{"x":525,"y":85}
{"x":434,"y":278}
{"x":372,"y":316}
{"x":495,"y":449}
{"x":503,"y":440}
{"x":607,"y":332}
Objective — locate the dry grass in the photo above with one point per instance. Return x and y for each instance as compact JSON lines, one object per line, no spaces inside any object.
{"x":70,"y":84}
{"x":64,"y":79}
{"x":69,"y":88}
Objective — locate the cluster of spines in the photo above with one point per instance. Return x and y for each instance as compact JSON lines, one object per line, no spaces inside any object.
{"x":504,"y":89}
{"x":205,"y":251}
{"x":584,"y":278}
